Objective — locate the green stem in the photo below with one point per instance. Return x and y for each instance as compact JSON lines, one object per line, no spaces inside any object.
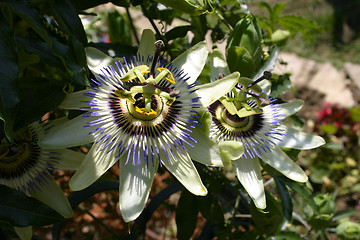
{"x":133,"y":29}
{"x":100,"y":222}
{"x":218,"y":15}
{"x":146,"y":13}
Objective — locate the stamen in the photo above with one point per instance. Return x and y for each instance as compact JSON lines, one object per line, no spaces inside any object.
{"x":159,"y":45}
{"x":266,"y":75}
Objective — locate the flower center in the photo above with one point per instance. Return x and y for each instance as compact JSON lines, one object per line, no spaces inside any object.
{"x":232,"y":127}
{"x":138,"y":111}
{"x":23,"y":166}
{"x":234,"y":120}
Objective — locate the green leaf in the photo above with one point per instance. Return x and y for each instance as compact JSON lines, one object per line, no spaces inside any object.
{"x":119,"y":28}
{"x":68,"y":19}
{"x":355,"y":113}
{"x":75,"y":69}
{"x":286,"y":200}
{"x":211,"y":209}
{"x":243,"y":49}
{"x":266,"y":6}
{"x":70,"y":23}
{"x":9,"y":72}
{"x":303,"y":191}
{"x":186,"y":215}
{"x":270,"y":219}
{"x":178,"y":32}
{"x":318,"y":171}
{"x":280,"y":84}
{"x":20,"y":210}
{"x":276,"y":10}
{"x":269,"y":63}
{"x":36,"y":46}
{"x":239,"y":59}
{"x":37,"y":97}
{"x":299,"y":24}
{"x":344,"y":214}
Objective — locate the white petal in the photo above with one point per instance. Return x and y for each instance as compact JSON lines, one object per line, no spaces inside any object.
{"x":218,"y":65}
{"x":24,"y":233}
{"x":192,"y":61}
{"x":205,"y":150}
{"x":211,"y":92}
{"x":288,"y":109}
{"x":97,"y":60}
{"x":147,"y":43}
{"x":135,"y":185}
{"x":52,"y":195}
{"x":95,"y":164}
{"x":69,"y":159}
{"x":184,"y":170}
{"x":249,"y":174}
{"x":296,"y":139}
{"x":69,"y":134}
{"x":75,"y":100}
{"x":282,"y":163}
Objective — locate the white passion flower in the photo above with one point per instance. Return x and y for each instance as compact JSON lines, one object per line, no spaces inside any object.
{"x":140,"y":113}
{"x":249,"y":127}
{"x":27,"y":167}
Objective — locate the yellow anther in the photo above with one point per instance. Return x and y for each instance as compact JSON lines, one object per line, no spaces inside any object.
{"x":169,"y":75}
{"x":142,"y":111}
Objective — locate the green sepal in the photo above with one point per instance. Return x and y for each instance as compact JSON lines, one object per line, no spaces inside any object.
{"x":230,"y":107}
{"x":132,"y":73}
{"x":245,"y":113}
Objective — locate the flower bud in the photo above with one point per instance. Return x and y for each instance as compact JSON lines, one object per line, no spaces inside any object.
{"x":279,"y":37}
{"x":348,"y":230}
{"x":327,"y":208}
{"x":243,"y":50}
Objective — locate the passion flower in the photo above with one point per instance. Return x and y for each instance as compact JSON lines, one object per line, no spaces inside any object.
{"x":140,"y":113}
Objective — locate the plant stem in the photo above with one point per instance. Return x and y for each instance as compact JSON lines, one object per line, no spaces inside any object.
{"x":132,"y":26}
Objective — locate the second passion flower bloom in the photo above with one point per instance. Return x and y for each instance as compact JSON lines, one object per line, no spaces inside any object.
{"x":141,"y":113}
{"x":250,"y":127}
{"x":27,"y":167}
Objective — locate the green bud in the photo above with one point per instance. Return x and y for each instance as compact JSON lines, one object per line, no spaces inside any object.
{"x":326,"y":203}
{"x":348,"y":230}
{"x":243,"y":50}
{"x":280,"y":37}
{"x":327,"y":208}
{"x":192,"y":7}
